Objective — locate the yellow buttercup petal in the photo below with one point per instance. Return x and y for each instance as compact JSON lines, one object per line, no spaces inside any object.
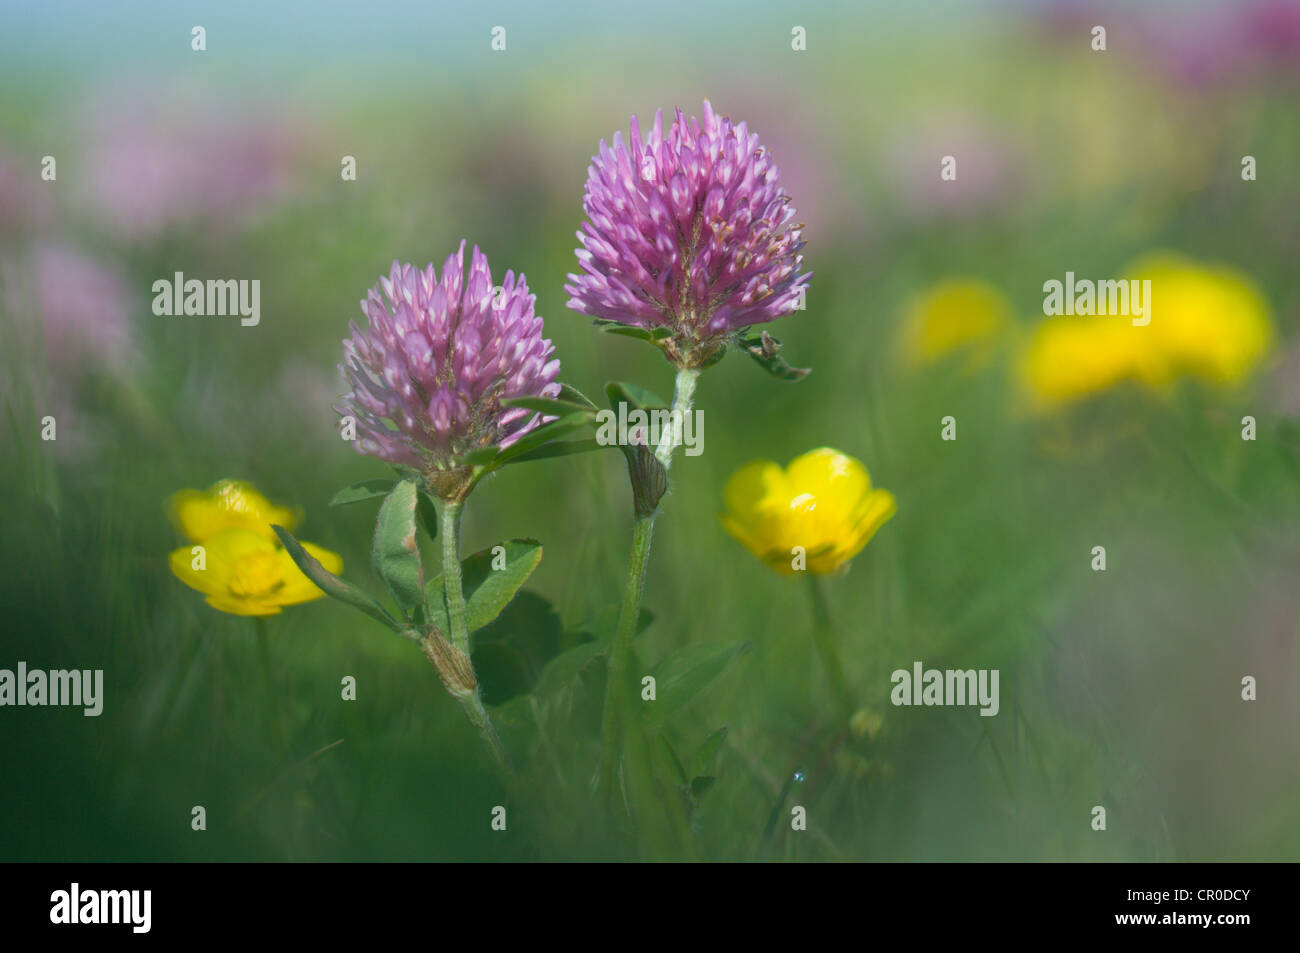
{"x":750,"y":487}
{"x":749,"y":497}
{"x":821,"y":503}
{"x":244,"y":573}
{"x":1209,"y":321}
{"x":192,"y":569}
{"x":227,"y":504}
{"x":836,"y":481}
{"x":875,"y":510}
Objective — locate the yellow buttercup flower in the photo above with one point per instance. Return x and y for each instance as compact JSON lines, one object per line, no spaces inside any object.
{"x":822,"y":502}
{"x":1068,"y":359}
{"x":1208,"y":322}
{"x":959,"y":314}
{"x":244,"y":573}
{"x":227,"y":504}
{"x":238,"y":562}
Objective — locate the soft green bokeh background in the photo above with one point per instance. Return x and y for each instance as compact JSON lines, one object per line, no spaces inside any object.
{"x":1120,"y":689}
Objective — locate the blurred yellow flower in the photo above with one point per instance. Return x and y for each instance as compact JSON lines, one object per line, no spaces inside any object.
{"x":1206,"y":321}
{"x":244,"y":573}
{"x":227,"y":504}
{"x":1070,"y":358}
{"x":238,"y":562}
{"x":823,"y":503}
{"x":956,"y":314}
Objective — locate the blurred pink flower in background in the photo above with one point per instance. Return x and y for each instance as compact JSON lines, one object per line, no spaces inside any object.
{"x":988,"y":169}
{"x":1198,"y":48}
{"x":1063,"y":18}
{"x":1272,"y":30}
{"x":307,"y":390}
{"x":79,"y":305}
{"x":152,"y":166}
{"x":70,"y":309}
{"x":797,"y":129}
{"x":25,"y":203}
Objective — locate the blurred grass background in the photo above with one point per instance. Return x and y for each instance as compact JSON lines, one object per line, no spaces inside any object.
{"x":1119,"y":688}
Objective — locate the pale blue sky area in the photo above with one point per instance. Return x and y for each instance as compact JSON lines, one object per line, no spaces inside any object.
{"x":154,"y":34}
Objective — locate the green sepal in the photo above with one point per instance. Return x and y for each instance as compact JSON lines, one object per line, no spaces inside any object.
{"x":763,"y":348}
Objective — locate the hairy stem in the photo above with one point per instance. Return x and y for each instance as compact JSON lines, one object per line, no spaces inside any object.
{"x":453,"y":593}
{"x":449,"y":514}
{"x":683,"y":400}
{"x":621,"y":649}
{"x":616,"y":692}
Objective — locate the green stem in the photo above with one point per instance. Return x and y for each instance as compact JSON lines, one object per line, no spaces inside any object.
{"x":482,"y":722}
{"x":683,"y":399}
{"x":615,"y":717}
{"x":449,"y":514}
{"x":824,"y":638}
{"x":616,"y":688}
{"x":452,"y":585}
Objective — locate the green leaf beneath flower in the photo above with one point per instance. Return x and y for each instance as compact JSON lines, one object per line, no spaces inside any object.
{"x":653,"y":335}
{"x":550,"y":406}
{"x":331,"y":584}
{"x":365,"y":490}
{"x":489,"y":579}
{"x":570,"y":400}
{"x":563,"y":448}
{"x":572,"y":395}
{"x":621,"y":392}
{"x":542,"y":435}
{"x":394,"y":553}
